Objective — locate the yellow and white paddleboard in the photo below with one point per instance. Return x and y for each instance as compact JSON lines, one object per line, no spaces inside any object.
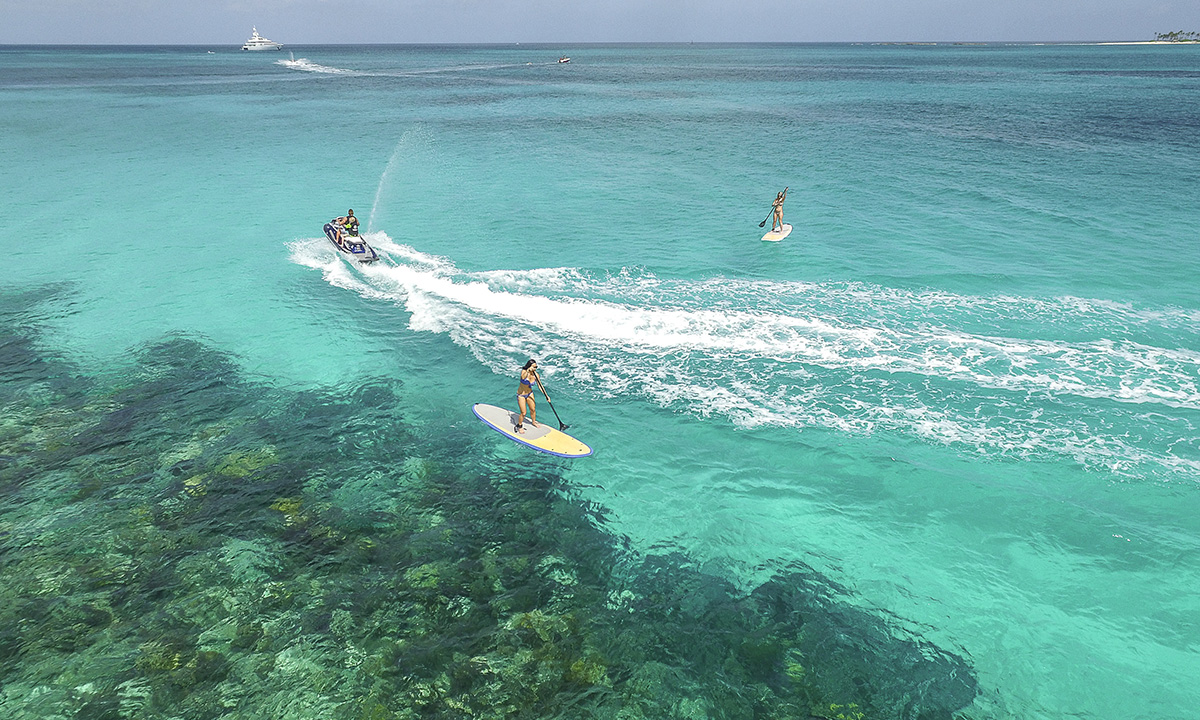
{"x":542,"y":438}
{"x":777,"y":235}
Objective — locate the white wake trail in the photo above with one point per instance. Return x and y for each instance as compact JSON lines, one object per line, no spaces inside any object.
{"x":305,"y":65}
{"x":851,"y":358}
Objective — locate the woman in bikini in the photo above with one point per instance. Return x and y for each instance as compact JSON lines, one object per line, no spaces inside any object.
{"x":529,"y":376}
{"x":777,"y":213}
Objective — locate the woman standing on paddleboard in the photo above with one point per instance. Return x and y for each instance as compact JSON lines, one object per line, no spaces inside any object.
{"x":529,"y":376}
{"x":777,"y":221}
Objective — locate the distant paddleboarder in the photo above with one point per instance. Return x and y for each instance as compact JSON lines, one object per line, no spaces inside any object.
{"x":777,"y":211}
{"x":779,"y":229}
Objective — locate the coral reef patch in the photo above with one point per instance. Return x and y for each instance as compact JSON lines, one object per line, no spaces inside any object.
{"x":183,"y":543}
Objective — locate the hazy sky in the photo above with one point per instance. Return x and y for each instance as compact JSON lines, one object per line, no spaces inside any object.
{"x":228,"y":22}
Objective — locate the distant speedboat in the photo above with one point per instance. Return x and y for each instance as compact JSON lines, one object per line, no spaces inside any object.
{"x":258,"y":42}
{"x":564,"y":59}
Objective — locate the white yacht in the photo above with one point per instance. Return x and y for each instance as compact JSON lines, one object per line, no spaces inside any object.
{"x":258,"y":42}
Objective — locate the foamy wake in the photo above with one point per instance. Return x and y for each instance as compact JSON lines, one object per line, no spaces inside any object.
{"x":851,"y":357}
{"x":305,"y":65}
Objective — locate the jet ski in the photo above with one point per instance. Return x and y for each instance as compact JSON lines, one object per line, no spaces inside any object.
{"x":352,"y":245}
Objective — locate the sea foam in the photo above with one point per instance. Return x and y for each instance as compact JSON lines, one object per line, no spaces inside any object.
{"x":848,"y":357}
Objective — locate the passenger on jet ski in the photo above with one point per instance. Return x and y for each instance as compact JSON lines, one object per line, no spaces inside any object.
{"x":336,"y":230}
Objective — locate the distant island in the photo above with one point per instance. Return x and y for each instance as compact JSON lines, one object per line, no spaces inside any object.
{"x":1178,"y":36}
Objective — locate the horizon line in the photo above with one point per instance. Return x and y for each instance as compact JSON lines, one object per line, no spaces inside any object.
{"x":628,"y":42}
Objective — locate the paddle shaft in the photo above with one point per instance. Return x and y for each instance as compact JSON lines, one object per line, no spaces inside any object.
{"x":768,"y":217}
{"x":561,"y":425}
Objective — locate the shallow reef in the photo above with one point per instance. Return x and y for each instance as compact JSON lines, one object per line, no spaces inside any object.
{"x":183,"y":543}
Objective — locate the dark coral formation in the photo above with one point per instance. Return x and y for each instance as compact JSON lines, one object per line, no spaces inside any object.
{"x":185,"y":544}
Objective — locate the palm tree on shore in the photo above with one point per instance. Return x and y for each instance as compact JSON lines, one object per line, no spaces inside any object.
{"x":1179,"y":36}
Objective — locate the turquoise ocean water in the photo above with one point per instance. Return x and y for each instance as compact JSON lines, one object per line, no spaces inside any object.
{"x":936,"y":454}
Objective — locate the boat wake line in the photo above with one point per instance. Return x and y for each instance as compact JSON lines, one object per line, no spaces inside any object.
{"x":848,"y":357}
{"x":306,"y":65}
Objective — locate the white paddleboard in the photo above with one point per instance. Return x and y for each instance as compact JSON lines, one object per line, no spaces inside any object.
{"x":777,"y":235}
{"x":542,"y":438}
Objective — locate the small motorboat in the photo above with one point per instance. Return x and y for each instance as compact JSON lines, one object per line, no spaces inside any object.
{"x":352,"y":245}
{"x":564,"y":59}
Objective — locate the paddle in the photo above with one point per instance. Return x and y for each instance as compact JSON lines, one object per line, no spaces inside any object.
{"x":768,"y":217}
{"x":561,"y":425}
